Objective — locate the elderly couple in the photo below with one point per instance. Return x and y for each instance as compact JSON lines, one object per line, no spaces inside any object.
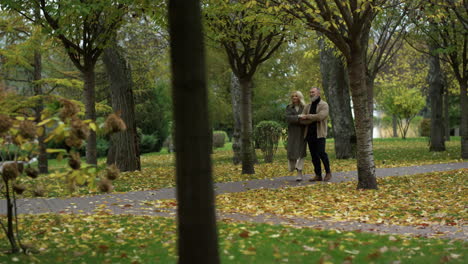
{"x":307,"y":124}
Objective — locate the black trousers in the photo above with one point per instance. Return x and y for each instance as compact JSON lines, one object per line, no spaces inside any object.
{"x":317,"y":151}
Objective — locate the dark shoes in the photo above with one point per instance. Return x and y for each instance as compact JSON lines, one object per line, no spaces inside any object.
{"x":316,"y":178}
{"x":327,"y":178}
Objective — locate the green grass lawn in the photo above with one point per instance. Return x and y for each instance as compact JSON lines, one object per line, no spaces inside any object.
{"x":144,"y":239}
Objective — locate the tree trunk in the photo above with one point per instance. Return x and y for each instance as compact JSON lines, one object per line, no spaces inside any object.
{"x":370,"y":99}
{"x":236,"y":110}
{"x":123,"y":150}
{"x":446,"y":113}
{"x":10,"y":232}
{"x":436,"y":88}
{"x":42,"y":158}
{"x":464,"y":119}
{"x":336,"y":87}
{"x":90,"y":110}
{"x":359,"y":92}
{"x":395,"y":126}
{"x":197,"y":235}
{"x":247,"y":147}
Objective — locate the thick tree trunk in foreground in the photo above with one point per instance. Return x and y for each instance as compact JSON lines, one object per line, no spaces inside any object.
{"x":336,"y":87}
{"x":90,"y":111}
{"x":197,"y":236}
{"x":364,"y":154}
{"x":247,"y":148}
{"x":236,"y":111}
{"x":436,"y":88}
{"x":123,"y":150}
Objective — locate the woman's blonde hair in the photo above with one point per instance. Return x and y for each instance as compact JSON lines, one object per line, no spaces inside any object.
{"x":301,"y":97}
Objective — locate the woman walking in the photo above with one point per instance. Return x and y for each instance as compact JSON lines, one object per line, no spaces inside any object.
{"x":296,"y":144}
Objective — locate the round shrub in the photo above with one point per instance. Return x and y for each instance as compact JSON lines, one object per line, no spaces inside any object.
{"x":102,"y":146}
{"x":148,"y":143}
{"x":267,"y":134}
{"x":219,"y":138}
{"x":425,"y":127}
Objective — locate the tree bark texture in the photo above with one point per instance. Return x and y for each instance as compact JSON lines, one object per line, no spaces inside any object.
{"x":247,"y":146}
{"x":436,"y":88}
{"x":370,"y":80}
{"x":236,"y":110}
{"x":90,"y":111}
{"x":395,"y":126}
{"x":42,"y":158}
{"x":359,"y":92}
{"x":464,"y":119}
{"x":197,"y":235}
{"x":123,"y":150}
{"x":446,"y":113}
{"x":336,"y":87}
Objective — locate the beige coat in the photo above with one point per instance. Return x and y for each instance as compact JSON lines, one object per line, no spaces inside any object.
{"x":321,"y":117}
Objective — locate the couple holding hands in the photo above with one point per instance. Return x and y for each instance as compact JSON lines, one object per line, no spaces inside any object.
{"x":307,"y":124}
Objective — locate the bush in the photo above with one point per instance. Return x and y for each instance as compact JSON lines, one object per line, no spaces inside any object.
{"x":425,"y":127}
{"x":102,"y":146}
{"x":148,"y":143}
{"x":267,"y":134}
{"x":219,"y":138}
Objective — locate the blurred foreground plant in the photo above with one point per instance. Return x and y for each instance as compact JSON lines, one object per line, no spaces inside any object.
{"x":18,"y":139}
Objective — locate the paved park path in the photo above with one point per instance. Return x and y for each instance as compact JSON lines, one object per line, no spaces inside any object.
{"x":134,"y":203}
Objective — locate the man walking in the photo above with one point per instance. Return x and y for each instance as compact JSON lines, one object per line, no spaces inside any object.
{"x":315,"y":117}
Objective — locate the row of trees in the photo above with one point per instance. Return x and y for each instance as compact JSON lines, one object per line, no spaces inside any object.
{"x":357,"y":53}
{"x":358,"y":40}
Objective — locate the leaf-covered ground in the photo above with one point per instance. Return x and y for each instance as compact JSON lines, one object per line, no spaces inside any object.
{"x":66,"y":238}
{"x":158,"y":169}
{"x":424,"y":199}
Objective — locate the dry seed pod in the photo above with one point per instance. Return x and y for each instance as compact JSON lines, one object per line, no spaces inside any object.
{"x":114,"y":124}
{"x":39,"y":191}
{"x":105,"y":185}
{"x":27,"y":129}
{"x":10,"y":171}
{"x":112,"y":172}
{"x":73,"y":141}
{"x":68,"y":110}
{"x":20,"y":167}
{"x":79,"y":129}
{"x":75,"y":162}
{"x":31,"y":172}
{"x":5,"y":123}
{"x":19,"y":188}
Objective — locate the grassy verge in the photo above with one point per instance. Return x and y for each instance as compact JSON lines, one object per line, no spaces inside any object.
{"x":142,"y":239}
{"x":158,"y":169}
{"x":422,"y":200}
